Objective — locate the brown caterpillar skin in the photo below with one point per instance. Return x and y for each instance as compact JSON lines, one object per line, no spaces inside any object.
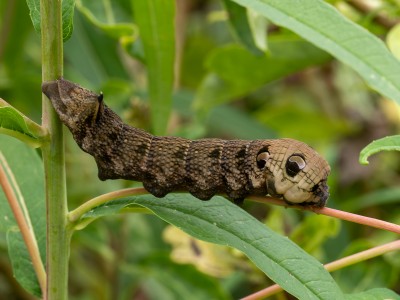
{"x":280,"y":167}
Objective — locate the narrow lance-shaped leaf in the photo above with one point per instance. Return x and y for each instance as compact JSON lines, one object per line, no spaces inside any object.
{"x":15,"y":124}
{"x":389,"y":143}
{"x":34,"y":12}
{"x":155,"y":19}
{"x":27,"y":177}
{"x":322,"y":25}
{"x":67,"y":16}
{"x":220,"y":221}
{"x":252,"y":37}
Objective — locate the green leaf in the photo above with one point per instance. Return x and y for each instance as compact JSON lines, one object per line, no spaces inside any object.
{"x":374,"y":294}
{"x":322,"y":25}
{"x":26,"y":169}
{"x":10,"y":119}
{"x":155,"y":19}
{"x":253,"y":38}
{"x":229,"y":121}
{"x":15,"y":124}
{"x":288,"y":54}
{"x":389,"y":143}
{"x":221,"y":222}
{"x":21,"y":263}
{"x":67,"y":16}
{"x":234,"y":71}
{"x":102,"y":15}
{"x":34,"y":12}
{"x":285,"y":117}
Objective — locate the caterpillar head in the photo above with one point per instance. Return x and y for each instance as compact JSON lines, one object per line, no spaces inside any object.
{"x":77,"y":107}
{"x":298,"y":172}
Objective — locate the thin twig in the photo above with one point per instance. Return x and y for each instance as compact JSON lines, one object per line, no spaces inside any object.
{"x":335,"y":213}
{"x":362,"y":256}
{"x":26,"y":230}
{"x":77,"y":213}
{"x":335,"y":265}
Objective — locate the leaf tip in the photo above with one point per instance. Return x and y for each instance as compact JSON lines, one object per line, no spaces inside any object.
{"x":363,"y":160}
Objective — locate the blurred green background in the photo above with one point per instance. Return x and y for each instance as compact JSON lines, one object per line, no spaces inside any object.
{"x":222,"y":90}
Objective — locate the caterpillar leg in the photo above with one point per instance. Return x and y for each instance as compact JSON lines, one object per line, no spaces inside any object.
{"x":155,"y":189}
{"x":204,"y":195}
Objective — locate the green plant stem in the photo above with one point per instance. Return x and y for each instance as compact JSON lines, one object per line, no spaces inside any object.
{"x":58,"y":234}
{"x":335,"y":265}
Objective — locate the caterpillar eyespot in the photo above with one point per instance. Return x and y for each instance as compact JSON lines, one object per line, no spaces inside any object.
{"x":283,"y":168}
{"x":295,"y":164}
{"x":262,"y":159}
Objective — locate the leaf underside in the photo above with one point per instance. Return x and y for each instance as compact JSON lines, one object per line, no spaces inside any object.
{"x":221,"y":222}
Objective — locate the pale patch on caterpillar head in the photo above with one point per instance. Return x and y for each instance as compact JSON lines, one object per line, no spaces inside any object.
{"x":298,"y":172}
{"x":74,"y":105}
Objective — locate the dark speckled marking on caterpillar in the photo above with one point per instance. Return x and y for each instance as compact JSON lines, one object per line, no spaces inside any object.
{"x":279,"y":167}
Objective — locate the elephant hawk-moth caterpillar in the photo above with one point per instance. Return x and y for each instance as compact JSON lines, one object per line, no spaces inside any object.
{"x":283,"y":168}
